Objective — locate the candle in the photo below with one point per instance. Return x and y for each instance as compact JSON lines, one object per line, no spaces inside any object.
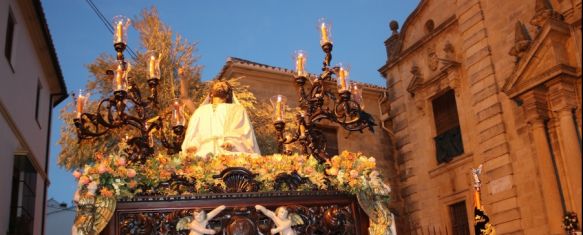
{"x":324,"y":33}
{"x":119,"y":78}
{"x":357,"y":94}
{"x":300,"y":60}
{"x":177,"y":117}
{"x":278,"y":104}
{"x":342,"y":74}
{"x":119,"y":32}
{"x":152,"y":66}
{"x":80,"y":103}
{"x":278,"y":116}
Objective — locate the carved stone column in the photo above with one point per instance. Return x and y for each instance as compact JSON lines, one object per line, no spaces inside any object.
{"x":563,"y":101}
{"x":535,"y":106}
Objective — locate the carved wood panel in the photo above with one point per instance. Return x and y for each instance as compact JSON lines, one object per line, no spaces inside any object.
{"x":322,"y":212}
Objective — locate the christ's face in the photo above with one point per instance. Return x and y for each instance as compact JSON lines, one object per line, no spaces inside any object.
{"x":220,"y":90}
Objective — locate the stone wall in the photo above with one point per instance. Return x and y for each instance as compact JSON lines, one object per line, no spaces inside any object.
{"x":464,"y":46}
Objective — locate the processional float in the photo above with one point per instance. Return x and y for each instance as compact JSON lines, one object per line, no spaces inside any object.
{"x":141,"y":190}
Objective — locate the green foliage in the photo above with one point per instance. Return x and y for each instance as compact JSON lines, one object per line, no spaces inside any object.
{"x":177,"y":53}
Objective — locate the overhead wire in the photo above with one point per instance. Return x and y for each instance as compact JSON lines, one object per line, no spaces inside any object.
{"x":108,"y":25}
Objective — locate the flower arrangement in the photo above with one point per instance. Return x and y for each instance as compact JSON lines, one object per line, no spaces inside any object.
{"x":112,"y":175}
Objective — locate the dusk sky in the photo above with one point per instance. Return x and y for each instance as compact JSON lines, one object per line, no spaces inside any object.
{"x":264,"y":31}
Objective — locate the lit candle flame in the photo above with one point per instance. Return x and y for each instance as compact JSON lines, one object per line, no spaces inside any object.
{"x":300,"y":64}
{"x":342,"y":74}
{"x":119,"y":32}
{"x":80,"y":103}
{"x":324,"y":33}
{"x":152,"y":66}
{"x":278,"y":114}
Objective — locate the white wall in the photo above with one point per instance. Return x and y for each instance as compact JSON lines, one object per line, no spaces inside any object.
{"x":20,"y":132}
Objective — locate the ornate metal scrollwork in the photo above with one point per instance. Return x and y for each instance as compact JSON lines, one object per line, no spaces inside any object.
{"x":291,"y":181}
{"x":237,"y":180}
{"x":114,"y":113}
{"x":321,"y":104}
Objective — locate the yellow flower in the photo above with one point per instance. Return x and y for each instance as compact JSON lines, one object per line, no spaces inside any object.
{"x":332,"y":171}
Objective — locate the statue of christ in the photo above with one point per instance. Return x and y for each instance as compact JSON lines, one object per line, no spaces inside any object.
{"x":220,"y":126}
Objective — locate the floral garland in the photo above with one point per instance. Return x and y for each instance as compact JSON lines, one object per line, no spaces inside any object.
{"x":113,"y":176}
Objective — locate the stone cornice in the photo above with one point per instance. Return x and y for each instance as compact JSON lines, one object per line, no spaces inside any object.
{"x":541,"y":78}
{"x":233,"y":62}
{"x":418,"y":44}
{"x":448,"y":167}
{"x":517,"y":83}
{"x":418,"y":83}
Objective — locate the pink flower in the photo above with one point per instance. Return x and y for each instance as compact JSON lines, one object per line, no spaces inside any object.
{"x":354,"y":173}
{"x":131,"y":173}
{"x":120,"y":161}
{"x":76,"y":174}
{"x":83,"y":180}
{"x":102,"y":168}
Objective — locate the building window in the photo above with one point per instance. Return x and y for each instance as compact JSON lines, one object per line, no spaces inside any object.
{"x":459,"y":219}
{"x":9,"y":36}
{"x":22,"y":203}
{"x":448,"y":141}
{"x":331,"y":135}
{"x":39,"y":87}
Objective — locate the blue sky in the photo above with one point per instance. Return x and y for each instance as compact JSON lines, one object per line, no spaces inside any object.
{"x":264,"y":31}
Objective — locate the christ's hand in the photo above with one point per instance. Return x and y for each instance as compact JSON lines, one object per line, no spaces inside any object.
{"x":228,"y":146}
{"x":191,"y":150}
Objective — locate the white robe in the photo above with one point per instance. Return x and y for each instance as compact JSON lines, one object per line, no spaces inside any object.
{"x":209,"y":129}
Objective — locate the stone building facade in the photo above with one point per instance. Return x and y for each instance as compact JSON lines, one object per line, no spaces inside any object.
{"x":31,"y":84}
{"x":490,"y":82}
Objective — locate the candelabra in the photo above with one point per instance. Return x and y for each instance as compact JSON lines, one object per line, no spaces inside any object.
{"x":126,"y":107}
{"x":343,"y":108}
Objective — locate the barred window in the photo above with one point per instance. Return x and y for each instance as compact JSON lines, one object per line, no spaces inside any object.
{"x":22,"y":203}
{"x":448,"y":141}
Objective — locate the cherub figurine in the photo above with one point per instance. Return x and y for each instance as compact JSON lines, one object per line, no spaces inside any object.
{"x":282,"y":219}
{"x":197,"y":225}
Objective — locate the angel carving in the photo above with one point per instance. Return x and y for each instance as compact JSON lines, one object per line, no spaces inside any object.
{"x":282,"y":219}
{"x":93,"y":212}
{"x":197,"y":224}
